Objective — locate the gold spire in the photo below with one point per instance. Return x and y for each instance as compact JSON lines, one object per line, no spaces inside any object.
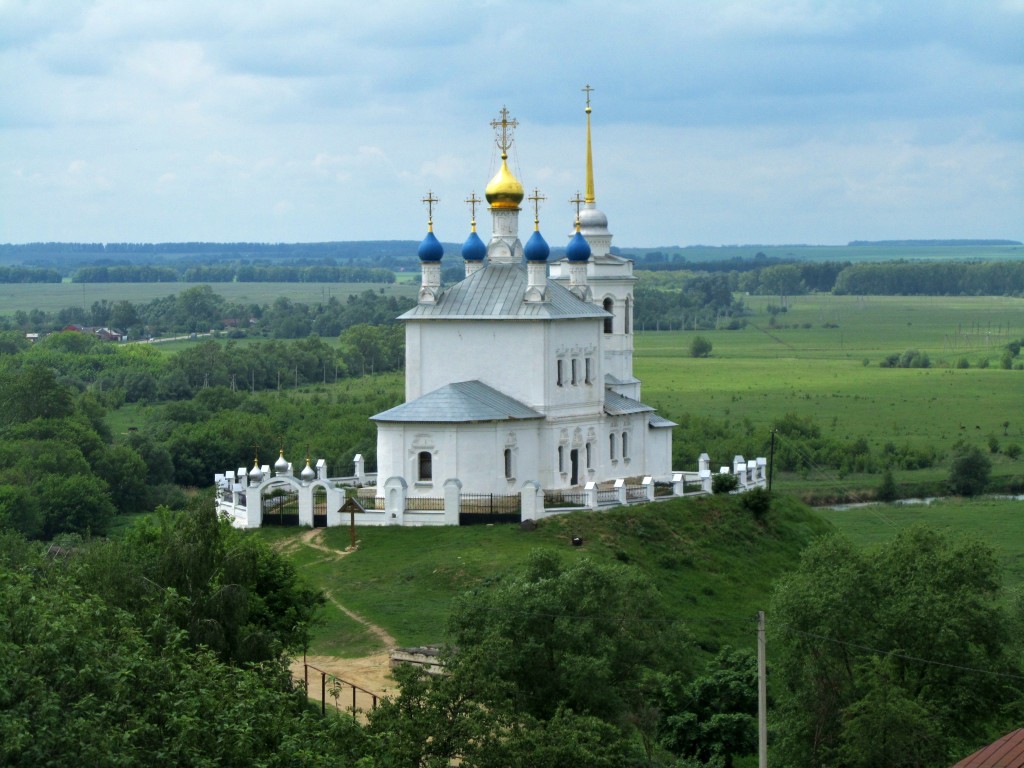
{"x":590,"y":158}
{"x":504,"y":190}
{"x":536,"y":199}
{"x":430,"y":200}
{"x":473,"y":201}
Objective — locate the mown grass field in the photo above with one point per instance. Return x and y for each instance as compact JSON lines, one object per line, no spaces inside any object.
{"x":995,"y":522}
{"x":832,"y":374}
{"x":51,"y":297}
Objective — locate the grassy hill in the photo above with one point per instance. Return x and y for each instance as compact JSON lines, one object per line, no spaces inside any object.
{"x":713,"y":563}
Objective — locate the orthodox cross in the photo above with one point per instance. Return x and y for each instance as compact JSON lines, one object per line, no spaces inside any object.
{"x":587,"y":89}
{"x":256,"y":453}
{"x":505,"y":139}
{"x":536,"y":199}
{"x":577,"y":201}
{"x":473,"y":201}
{"x":430,"y":200}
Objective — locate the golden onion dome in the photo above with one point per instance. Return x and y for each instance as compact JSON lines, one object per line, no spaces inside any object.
{"x":504,"y":190}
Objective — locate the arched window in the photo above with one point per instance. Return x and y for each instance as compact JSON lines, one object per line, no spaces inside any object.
{"x":424,"y":470}
{"x":589,"y":460}
{"x":575,"y":372}
{"x":611,"y":446}
{"x":628,"y":321}
{"x":561,"y":458}
{"x":508,"y":464}
{"x":625,"y":445}
{"x":560,"y":367}
{"x":609,"y":307}
{"x":589,"y":364}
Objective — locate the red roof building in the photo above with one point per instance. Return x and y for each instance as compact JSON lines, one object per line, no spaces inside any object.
{"x":1007,"y":752}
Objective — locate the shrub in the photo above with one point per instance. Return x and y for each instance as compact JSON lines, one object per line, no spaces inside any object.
{"x":758,"y":501}
{"x":700,"y":347}
{"x":1012,"y":451}
{"x":968,"y":474}
{"x":724,"y":483}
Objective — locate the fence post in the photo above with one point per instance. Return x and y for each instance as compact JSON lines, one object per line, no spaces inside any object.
{"x":678,"y":484}
{"x":531,"y":501}
{"x":452,"y":500}
{"x":395,"y":489}
{"x":648,"y":484}
{"x":620,"y":490}
{"x":591,"y":490}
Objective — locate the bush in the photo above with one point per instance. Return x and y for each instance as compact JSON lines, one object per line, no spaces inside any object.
{"x":700,"y":347}
{"x":758,"y":501}
{"x":724,"y":483}
{"x":968,"y":474}
{"x":1012,"y":451}
{"x":887,"y":490}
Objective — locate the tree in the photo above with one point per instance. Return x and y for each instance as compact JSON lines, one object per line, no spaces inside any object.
{"x":887,"y":489}
{"x":713,"y":717}
{"x":82,"y":683}
{"x":878,"y":652}
{"x":576,"y":636}
{"x":700,"y":347}
{"x":969,"y":471}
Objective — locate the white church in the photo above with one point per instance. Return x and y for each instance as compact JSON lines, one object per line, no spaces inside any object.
{"x":518,"y":380}
{"x":523,"y":370}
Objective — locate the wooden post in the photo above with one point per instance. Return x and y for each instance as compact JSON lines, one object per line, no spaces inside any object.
{"x":762,"y":696}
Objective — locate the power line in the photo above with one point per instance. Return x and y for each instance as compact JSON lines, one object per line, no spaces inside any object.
{"x":898,"y":655}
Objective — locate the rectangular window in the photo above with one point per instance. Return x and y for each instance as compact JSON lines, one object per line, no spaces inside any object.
{"x":589,"y":372}
{"x":575,"y":374}
{"x":561,"y":458}
{"x":589,"y":462}
{"x":560,"y":368}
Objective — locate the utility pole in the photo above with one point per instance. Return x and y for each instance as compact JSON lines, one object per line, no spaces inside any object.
{"x":762,"y":696}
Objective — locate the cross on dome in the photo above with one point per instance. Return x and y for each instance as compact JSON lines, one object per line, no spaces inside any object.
{"x":536,"y":198}
{"x":430,"y":200}
{"x":507,"y":126}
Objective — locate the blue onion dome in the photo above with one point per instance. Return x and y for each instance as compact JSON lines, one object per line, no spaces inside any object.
{"x":578,"y":248}
{"x":537,"y":248}
{"x":474,"y":248}
{"x":430,"y":249}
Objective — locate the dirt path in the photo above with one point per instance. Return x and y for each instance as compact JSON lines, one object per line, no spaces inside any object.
{"x":370,"y":672}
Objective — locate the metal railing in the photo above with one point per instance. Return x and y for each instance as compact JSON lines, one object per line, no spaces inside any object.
{"x":333,"y":686}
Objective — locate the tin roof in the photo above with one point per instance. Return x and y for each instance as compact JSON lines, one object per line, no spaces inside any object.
{"x":655,"y":421}
{"x":496,"y":293}
{"x":462,"y":401}
{"x":1007,"y":752}
{"x":620,"y":405}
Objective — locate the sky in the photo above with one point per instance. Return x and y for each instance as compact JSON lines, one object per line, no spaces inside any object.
{"x":714,"y":121}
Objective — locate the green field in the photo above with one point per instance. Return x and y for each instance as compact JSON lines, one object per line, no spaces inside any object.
{"x":851,"y":253}
{"x":712,"y":562}
{"x":761,"y":373}
{"x":52,"y":297}
{"x":995,"y":522}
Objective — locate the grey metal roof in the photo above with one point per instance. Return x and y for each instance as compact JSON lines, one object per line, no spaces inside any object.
{"x":620,"y":405}
{"x":611,"y":379}
{"x":496,"y":293}
{"x":655,"y":421}
{"x":460,"y":402}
